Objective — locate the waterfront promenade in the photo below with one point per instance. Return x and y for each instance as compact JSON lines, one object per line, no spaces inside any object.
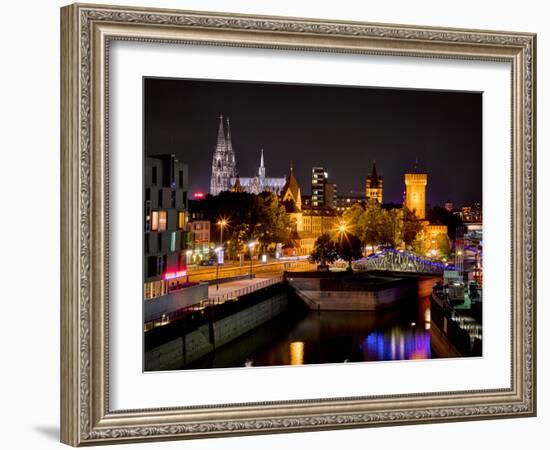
{"x":227,"y":291}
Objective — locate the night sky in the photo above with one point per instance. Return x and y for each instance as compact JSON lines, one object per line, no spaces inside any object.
{"x":340,"y":128}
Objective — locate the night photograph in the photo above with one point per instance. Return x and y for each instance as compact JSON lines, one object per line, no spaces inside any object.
{"x":309,"y":224}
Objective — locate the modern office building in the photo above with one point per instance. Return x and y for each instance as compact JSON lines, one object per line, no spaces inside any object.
{"x":331,"y":195}
{"x":166,"y":238}
{"x":307,"y":222}
{"x":323,"y":193}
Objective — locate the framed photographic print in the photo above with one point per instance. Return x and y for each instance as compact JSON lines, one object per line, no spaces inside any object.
{"x":274,"y":224}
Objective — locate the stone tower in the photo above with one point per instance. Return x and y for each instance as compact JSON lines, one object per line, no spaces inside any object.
{"x":415,"y":192}
{"x":373,"y":185}
{"x":224,"y":166}
{"x":291,"y":198}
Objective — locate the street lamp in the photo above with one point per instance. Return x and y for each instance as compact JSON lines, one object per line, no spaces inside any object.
{"x":222,"y":223}
{"x":217,"y":250}
{"x":251,"y":245}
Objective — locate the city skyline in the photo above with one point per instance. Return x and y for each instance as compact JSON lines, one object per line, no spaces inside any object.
{"x":331,"y":125}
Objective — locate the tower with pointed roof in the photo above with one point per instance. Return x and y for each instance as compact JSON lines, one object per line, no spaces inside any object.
{"x":291,"y":198}
{"x":373,"y":185}
{"x":415,"y":191}
{"x":261,"y":169}
{"x":224,"y":166}
{"x":237,"y":187}
{"x":259,"y":182}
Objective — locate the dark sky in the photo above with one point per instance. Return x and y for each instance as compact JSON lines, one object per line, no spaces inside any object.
{"x":341,"y":128}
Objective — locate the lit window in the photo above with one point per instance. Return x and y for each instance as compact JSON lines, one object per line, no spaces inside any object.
{"x":162,"y":221}
{"x":173,"y":241}
{"x":155,"y":221}
{"x":181,"y":220}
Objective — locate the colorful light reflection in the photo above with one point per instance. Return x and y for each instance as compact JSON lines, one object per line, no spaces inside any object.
{"x":398,"y":345}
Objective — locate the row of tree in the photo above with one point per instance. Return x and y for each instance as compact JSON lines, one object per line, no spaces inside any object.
{"x":376,"y":225}
{"x":347,"y":247}
{"x":260,"y":218}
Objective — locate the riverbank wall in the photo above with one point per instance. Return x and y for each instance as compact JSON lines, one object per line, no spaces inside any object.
{"x":364,"y":291}
{"x":180,"y":343}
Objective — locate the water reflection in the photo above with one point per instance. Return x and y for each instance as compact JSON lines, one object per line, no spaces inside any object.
{"x":296,"y":353}
{"x":312,"y":337}
{"x":398,"y":344}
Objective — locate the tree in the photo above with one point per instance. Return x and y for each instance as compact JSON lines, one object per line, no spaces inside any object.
{"x":349,"y":248}
{"x":324,"y":252}
{"x":354,"y":217}
{"x":392,"y":227}
{"x":237,"y":241}
{"x":411,"y":226}
{"x":272,"y":223}
{"x":443,"y":244}
{"x":381,"y":226}
{"x":420,"y":244}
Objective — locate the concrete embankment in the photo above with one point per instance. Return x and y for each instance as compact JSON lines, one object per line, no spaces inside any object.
{"x":366,"y":291}
{"x":179,"y":347}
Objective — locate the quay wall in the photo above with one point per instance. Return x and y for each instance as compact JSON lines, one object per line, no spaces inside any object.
{"x":154,"y":308}
{"x":354,"y":300}
{"x":339,"y":292}
{"x":193,"y":345}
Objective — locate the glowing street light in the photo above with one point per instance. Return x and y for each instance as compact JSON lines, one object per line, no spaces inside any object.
{"x":222,"y":223}
{"x":343,"y":228}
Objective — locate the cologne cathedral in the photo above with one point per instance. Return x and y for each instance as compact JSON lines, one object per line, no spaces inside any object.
{"x":224,"y":166}
{"x":225,"y":176}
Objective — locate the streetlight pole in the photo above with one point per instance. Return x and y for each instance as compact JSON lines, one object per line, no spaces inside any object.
{"x":251,"y":247}
{"x":222,"y":223}
{"x":217,"y":250}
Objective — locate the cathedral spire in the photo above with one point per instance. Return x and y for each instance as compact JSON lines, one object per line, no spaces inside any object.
{"x":374,"y":174}
{"x":230,"y":151}
{"x":223,"y":160}
{"x":261,"y":171}
{"x":221,"y":134}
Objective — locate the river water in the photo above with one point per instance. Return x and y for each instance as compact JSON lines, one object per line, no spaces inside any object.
{"x":309,"y":337}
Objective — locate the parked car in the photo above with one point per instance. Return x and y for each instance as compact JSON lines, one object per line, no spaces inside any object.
{"x":207,"y":262}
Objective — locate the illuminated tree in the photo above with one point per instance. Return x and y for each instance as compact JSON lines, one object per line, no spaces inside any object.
{"x":324,"y":252}
{"x":411,"y":226}
{"x":349,"y":248}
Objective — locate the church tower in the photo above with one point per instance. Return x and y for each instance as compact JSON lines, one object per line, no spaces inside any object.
{"x":261,"y":170}
{"x":373,"y":185}
{"x":415,"y":193}
{"x":291,"y":198}
{"x":224,"y":166}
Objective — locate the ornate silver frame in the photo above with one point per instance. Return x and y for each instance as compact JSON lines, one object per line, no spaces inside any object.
{"x":86,"y":31}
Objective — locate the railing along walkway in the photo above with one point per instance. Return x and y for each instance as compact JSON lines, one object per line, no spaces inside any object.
{"x":219,"y":299}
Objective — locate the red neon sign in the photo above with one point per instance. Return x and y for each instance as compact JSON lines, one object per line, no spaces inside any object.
{"x":198,"y":195}
{"x":172,"y":275}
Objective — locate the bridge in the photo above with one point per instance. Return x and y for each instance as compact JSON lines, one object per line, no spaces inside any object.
{"x":401,"y":261}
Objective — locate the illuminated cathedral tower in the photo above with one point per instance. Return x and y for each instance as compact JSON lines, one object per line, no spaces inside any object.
{"x":373,"y":185}
{"x":224,"y":166}
{"x":415,"y":193}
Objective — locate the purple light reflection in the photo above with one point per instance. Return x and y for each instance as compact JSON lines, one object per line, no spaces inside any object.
{"x":397,"y":344}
